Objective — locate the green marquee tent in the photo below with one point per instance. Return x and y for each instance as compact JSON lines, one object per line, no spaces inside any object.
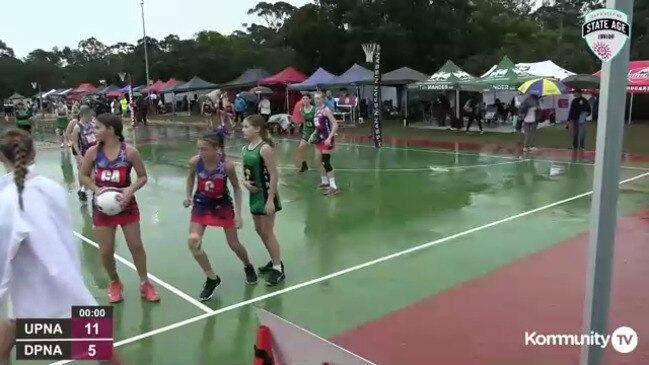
{"x":448,"y":77}
{"x":505,"y":76}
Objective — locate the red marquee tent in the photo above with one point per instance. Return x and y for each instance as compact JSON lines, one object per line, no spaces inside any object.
{"x":281,"y":80}
{"x":287,"y":76}
{"x":638,"y":77}
{"x":83,"y":88}
{"x":638,"y":80}
{"x":157,"y":86}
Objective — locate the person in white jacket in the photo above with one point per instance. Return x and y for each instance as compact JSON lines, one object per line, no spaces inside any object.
{"x":40,"y":268}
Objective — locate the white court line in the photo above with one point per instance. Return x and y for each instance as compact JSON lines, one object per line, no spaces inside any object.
{"x":153,"y":278}
{"x":415,"y":169}
{"x":352,"y":269}
{"x":479,"y":154}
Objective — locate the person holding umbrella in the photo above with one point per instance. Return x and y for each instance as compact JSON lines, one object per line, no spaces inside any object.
{"x":530,"y":111}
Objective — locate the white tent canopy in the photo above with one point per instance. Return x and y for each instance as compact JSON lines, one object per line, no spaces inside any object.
{"x":549,"y":69}
{"x":541,"y":69}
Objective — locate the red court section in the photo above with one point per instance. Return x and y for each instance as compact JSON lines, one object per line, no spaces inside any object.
{"x":484,"y":321}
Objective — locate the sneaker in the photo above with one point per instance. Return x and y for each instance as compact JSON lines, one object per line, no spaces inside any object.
{"x":251,"y":275}
{"x":276,"y":277}
{"x":115,"y":292}
{"x":266,"y":268}
{"x":323,"y":186}
{"x":208,"y":289}
{"x":331,"y":192}
{"x":82,"y":196}
{"x":148,"y":292}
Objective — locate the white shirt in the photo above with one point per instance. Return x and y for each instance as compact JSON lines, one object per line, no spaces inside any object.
{"x":40,"y":268}
{"x":264,"y":106}
{"x":530,"y":117}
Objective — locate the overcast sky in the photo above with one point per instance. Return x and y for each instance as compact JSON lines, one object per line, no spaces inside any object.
{"x":28,"y":25}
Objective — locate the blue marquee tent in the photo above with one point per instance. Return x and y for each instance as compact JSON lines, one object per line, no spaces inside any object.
{"x":319,"y":77}
{"x":356,"y":75}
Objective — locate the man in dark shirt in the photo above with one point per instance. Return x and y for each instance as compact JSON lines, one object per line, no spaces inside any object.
{"x":579,"y":111}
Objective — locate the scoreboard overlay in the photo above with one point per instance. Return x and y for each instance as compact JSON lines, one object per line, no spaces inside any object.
{"x":87,"y":335}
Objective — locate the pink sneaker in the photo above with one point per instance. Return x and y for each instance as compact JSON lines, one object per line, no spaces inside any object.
{"x":115,"y":289}
{"x":149,"y":293}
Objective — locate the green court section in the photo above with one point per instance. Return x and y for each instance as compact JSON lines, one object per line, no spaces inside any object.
{"x":391,"y":200}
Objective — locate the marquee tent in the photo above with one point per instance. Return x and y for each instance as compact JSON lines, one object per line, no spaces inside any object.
{"x":249,"y":78}
{"x":195,"y":84}
{"x":288,"y":75}
{"x":638,"y":81}
{"x":402,"y":76}
{"x":156,"y":87}
{"x":541,"y":69}
{"x":505,"y":76}
{"x":356,"y":75}
{"x":171,"y":85}
{"x":319,"y":77}
{"x":638,"y":77}
{"x":16,"y":96}
{"x":448,"y":77}
{"x":83,"y":88}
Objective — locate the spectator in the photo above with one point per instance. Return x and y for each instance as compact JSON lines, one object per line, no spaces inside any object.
{"x":330,"y":102}
{"x":264,"y":108}
{"x":579,"y":112}
{"x":472,"y":112}
{"x":239,"y":108}
{"x":531,"y":114}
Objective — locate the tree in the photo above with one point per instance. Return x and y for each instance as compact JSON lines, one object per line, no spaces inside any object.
{"x":6,"y":51}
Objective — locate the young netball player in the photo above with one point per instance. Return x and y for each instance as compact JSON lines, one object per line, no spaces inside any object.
{"x":260,"y":174}
{"x":62,"y":123}
{"x":208,"y":110}
{"x":212,"y":206}
{"x":82,"y":137}
{"x":112,"y":160}
{"x":308,"y":127}
{"x":323,"y":137}
{"x":40,"y":268}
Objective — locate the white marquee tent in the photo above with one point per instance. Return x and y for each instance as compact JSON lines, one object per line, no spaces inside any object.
{"x":561,"y":104}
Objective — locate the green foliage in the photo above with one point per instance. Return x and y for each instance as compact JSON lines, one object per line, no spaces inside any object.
{"x":421,"y":34}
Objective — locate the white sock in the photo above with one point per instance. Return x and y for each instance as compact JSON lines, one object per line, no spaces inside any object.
{"x":332,"y":183}
{"x":324,"y":180}
{"x":277,"y":267}
{"x":82,"y":189}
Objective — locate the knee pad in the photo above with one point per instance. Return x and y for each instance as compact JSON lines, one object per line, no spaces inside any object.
{"x":194,"y":243}
{"x":326,"y":162}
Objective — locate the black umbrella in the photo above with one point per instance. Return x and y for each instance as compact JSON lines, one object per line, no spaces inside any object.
{"x":247,"y":95}
{"x":583,"y":81}
{"x":261,"y":90}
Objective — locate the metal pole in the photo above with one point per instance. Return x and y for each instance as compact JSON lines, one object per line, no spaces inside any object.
{"x":610,"y":130}
{"x":146,"y":55}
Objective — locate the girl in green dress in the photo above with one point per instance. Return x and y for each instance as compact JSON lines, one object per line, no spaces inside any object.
{"x":260,"y":179}
{"x":308,"y":115}
{"x":23,"y":118}
{"x":62,"y":123}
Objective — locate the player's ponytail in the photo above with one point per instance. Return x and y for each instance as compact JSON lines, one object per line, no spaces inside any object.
{"x":259,"y":122}
{"x":17,"y":148}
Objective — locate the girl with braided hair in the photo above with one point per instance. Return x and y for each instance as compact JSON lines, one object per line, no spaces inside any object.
{"x":40,"y":268}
